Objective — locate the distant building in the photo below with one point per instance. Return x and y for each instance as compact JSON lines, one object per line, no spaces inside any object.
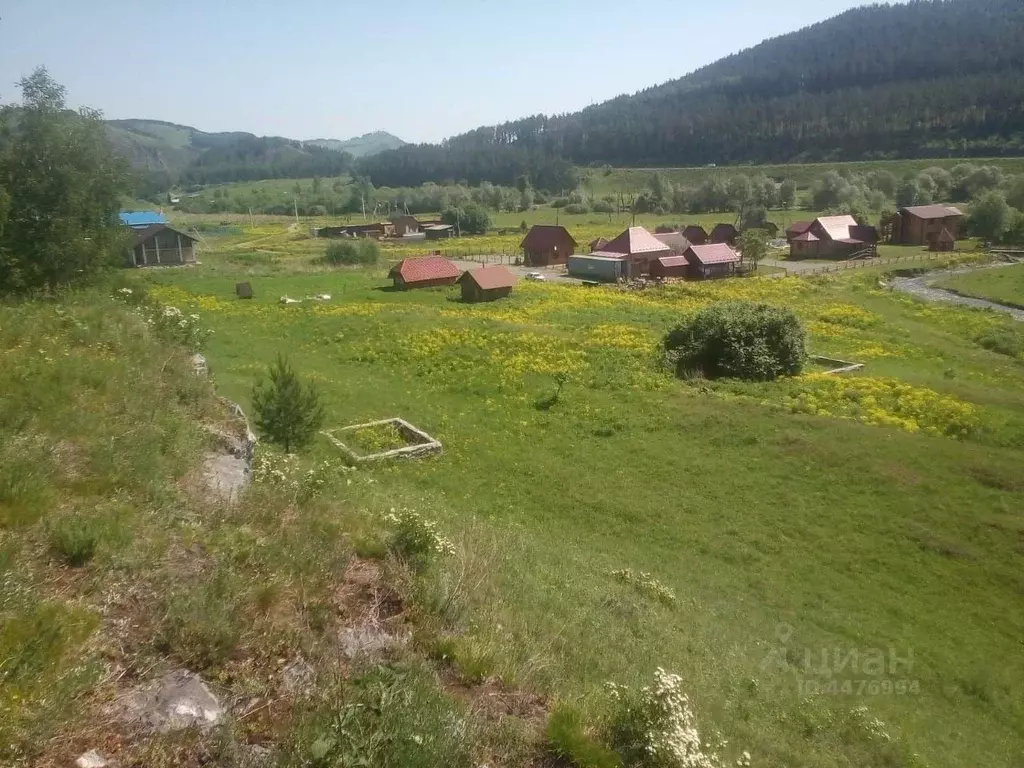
{"x":669,"y":266}
{"x":439,"y":231}
{"x":695,"y":234}
{"x":547,"y":244}
{"x":160,"y":245}
{"x":404,"y":225}
{"x":834,"y":237}
{"x":920,"y":224}
{"x":375,"y":230}
{"x":425,"y":272}
{"x":705,"y":262}
{"x":597,"y":244}
{"x":486,"y":284}
{"x":140,"y":219}
{"x":637,"y":247}
{"x":724,"y":233}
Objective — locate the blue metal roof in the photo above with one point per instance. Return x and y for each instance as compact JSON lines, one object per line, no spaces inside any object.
{"x":142,"y":218}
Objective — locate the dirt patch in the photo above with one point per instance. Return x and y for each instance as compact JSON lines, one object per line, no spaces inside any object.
{"x":373,"y":621}
{"x":492,"y":700}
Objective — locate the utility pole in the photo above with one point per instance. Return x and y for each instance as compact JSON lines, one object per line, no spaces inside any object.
{"x":362,"y":202}
{"x":295,"y":204}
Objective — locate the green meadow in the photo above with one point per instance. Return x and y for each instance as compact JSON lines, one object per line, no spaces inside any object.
{"x":803,"y":529}
{"x":1004,"y":285}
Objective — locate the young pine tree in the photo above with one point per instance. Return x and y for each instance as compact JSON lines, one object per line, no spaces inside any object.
{"x":286,"y":412}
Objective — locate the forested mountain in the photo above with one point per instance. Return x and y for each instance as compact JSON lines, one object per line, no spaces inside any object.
{"x":361,"y":146}
{"x":932,"y":78}
{"x":167,"y":154}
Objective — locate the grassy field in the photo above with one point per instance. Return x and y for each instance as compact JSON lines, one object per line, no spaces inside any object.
{"x":1004,"y":285}
{"x":804,"y":174}
{"x":802,"y":528}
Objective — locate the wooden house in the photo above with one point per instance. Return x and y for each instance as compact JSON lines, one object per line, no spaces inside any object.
{"x":486,"y":284}
{"x":724,"y":233}
{"x":404,"y":225}
{"x":695,"y":234}
{"x":546,"y":244}
{"x":920,"y":224}
{"x":637,"y":248}
{"x":669,"y":266}
{"x":796,"y":229}
{"x":706,"y":262}
{"x":424,"y":272}
{"x":834,"y":237}
{"x":161,"y":245}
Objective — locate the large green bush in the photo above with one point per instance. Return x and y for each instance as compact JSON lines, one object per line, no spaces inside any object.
{"x":738,"y":339}
{"x":352,"y":252}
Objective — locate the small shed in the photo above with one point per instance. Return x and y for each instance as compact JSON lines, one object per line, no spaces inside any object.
{"x":160,"y":245}
{"x":439,"y":231}
{"x":695,"y":234}
{"x":724,"y":233}
{"x":669,"y":266}
{"x":424,"y":272}
{"x":486,"y":284}
{"x":944,"y":241}
{"x":608,"y":267}
{"x":547,"y":244}
{"x":597,"y":243}
{"x":705,"y":262}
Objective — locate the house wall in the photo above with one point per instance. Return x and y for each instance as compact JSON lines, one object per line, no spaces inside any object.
{"x":535,"y":258}
{"x":472,"y":293}
{"x":402,"y":285}
{"x":440,"y":234}
{"x":916,"y":231}
{"x":711,"y":271}
{"x":657,"y":270}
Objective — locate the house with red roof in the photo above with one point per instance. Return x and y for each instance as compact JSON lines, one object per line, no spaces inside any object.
{"x":669,"y":266}
{"x":724,"y":233}
{"x":834,"y":237}
{"x":423,"y":272}
{"x":486,"y":284}
{"x":637,"y":248}
{"x":706,"y":262}
{"x":695,"y":234}
{"x":547,"y":244}
{"x":796,"y":229}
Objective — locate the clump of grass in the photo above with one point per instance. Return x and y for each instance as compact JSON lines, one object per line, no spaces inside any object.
{"x":415,"y":538}
{"x":202,"y":625}
{"x":568,"y":739}
{"x":75,"y":539}
{"x":1003,"y":341}
{"x":646,"y":584}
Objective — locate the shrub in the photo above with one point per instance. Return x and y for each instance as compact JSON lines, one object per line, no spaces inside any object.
{"x":654,"y":727}
{"x":1004,"y":341}
{"x":603,"y":206}
{"x":739,"y":339}
{"x":350,"y":252}
{"x":75,"y":539}
{"x":287,"y":413}
{"x":415,"y":538}
{"x":202,"y":626}
{"x":577,"y":208}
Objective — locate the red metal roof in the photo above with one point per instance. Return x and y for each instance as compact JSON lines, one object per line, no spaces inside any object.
{"x":635,"y":240}
{"x":491,"y":277}
{"x":933,"y":211}
{"x":545,"y":237}
{"x":714,"y":253}
{"x":836,"y":227}
{"x":426,"y":268}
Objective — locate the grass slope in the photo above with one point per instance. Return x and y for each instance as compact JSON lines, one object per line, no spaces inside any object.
{"x":783,"y":532}
{"x":1003,"y":285}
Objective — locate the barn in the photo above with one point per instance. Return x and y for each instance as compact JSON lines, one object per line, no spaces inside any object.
{"x":486,"y":284}
{"x":404,"y":225}
{"x":669,"y":266}
{"x":424,"y":272}
{"x":834,"y":237}
{"x":547,"y":244}
{"x":439,"y":231}
{"x":705,"y":262}
{"x":160,"y":245}
{"x":724,"y":233}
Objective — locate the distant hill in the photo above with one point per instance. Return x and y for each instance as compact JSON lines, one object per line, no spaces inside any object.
{"x":932,"y":78}
{"x":362,"y":146}
{"x":168,"y":154}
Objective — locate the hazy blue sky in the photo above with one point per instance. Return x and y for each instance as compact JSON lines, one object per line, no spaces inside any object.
{"x":422,"y":71}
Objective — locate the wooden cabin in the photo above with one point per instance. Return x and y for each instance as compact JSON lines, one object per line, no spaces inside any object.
{"x":920,"y":224}
{"x":486,"y":284}
{"x":423,"y":272}
{"x":161,"y":245}
{"x":547,"y":244}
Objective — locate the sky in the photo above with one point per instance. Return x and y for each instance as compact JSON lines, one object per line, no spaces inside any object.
{"x":422,"y":71}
